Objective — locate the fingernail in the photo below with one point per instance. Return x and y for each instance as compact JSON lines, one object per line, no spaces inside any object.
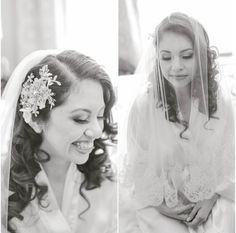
{"x":188,"y":219}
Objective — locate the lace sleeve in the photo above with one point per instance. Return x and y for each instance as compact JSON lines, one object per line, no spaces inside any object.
{"x":140,"y":174}
{"x":225,"y":157}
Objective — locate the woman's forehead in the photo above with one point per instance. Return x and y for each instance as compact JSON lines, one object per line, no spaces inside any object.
{"x":86,"y":93}
{"x":174,"y":41}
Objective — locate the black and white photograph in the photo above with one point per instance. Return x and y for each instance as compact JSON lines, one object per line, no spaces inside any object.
{"x":118,"y":116}
{"x":58,"y":130}
{"x":176,"y":128}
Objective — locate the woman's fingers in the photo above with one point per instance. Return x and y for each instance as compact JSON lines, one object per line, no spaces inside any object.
{"x":185,"y":209}
{"x":181,"y":217}
{"x":193,"y":213}
{"x":180,"y":213}
{"x":198,"y":220}
{"x":172,"y":214}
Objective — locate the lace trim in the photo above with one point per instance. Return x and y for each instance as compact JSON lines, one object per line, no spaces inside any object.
{"x":197,"y":184}
{"x":171,"y":196}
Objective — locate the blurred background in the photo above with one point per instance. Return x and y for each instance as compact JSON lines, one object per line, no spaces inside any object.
{"x":90,"y":27}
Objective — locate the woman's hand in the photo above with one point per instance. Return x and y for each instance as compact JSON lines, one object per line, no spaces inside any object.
{"x":201,"y":212}
{"x":179,"y":213}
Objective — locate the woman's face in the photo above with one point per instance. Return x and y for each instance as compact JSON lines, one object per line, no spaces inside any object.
{"x":72,"y":127}
{"x":177,"y":60}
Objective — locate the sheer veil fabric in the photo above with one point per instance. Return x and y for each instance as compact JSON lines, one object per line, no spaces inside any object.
{"x":167,"y":161}
{"x":8,"y":108}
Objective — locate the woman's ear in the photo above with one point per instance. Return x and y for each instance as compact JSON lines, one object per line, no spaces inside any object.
{"x":36,"y":126}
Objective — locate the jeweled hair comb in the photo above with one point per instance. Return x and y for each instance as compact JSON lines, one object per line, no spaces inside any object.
{"x":36,"y":92}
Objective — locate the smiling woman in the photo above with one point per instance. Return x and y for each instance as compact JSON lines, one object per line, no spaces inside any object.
{"x":177,"y":60}
{"x":180,"y":140}
{"x":82,"y":117}
{"x":57,"y":156}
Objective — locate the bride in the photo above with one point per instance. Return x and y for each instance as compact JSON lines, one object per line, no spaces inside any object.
{"x":56,"y":121}
{"x":180,"y":141}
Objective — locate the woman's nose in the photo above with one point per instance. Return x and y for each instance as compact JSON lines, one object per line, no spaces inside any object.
{"x":176,"y":64}
{"x":94,"y":130}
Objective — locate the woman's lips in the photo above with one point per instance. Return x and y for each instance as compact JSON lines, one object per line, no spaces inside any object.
{"x":179,"y":77}
{"x":84,"y":147}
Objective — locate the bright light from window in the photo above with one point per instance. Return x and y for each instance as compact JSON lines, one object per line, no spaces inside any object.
{"x":91,"y":27}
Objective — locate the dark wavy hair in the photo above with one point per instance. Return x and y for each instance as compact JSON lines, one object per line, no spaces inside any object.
{"x":180,"y":23}
{"x":69,"y":66}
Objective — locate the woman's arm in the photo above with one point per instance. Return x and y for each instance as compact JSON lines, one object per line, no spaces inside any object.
{"x":201,"y":211}
{"x":179,"y":213}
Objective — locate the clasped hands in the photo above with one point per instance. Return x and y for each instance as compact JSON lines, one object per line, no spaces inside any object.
{"x":193,"y":215}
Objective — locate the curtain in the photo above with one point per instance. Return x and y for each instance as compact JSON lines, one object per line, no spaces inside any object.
{"x":129,"y":36}
{"x":27,"y":25}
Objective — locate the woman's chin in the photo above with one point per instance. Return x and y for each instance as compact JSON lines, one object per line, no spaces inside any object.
{"x":80,"y":159}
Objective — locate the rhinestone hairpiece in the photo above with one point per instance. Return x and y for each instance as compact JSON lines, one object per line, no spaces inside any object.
{"x":36,"y":92}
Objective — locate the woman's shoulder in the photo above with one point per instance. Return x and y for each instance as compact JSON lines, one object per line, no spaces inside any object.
{"x":223,"y":119}
{"x":225,"y":105}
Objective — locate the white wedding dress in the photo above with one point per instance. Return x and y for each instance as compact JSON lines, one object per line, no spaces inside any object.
{"x":161,"y":165}
{"x":101,"y":216}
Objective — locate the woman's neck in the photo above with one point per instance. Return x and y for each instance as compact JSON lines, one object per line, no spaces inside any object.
{"x":183,"y":93}
{"x":183,"y":96}
{"x":56,"y":169}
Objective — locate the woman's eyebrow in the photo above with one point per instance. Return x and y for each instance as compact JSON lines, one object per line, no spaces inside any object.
{"x":86,"y":110}
{"x":164,"y":51}
{"x":81,"y":109}
{"x":185,"y":50}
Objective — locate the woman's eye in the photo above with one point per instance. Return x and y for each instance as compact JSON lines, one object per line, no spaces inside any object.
{"x":187,"y":56}
{"x":165,"y":58}
{"x":81,"y":121}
